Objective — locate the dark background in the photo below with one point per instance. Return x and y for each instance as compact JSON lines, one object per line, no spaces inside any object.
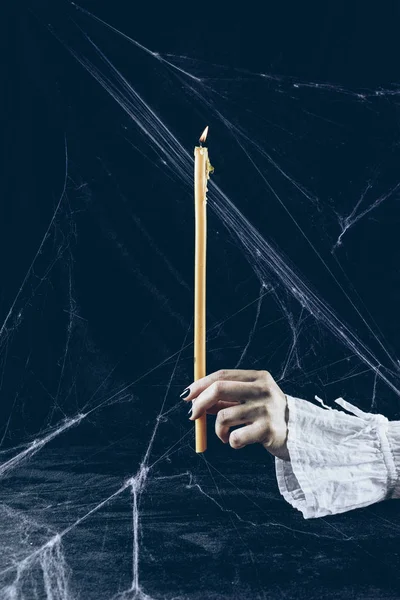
{"x":97,"y":285}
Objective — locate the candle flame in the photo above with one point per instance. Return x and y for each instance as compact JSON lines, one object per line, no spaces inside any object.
{"x":203,"y":136}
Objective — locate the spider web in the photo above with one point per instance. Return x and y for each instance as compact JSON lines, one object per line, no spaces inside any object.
{"x":97,"y":457}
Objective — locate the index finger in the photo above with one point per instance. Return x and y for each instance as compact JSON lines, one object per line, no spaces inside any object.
{"x":223,"y":375}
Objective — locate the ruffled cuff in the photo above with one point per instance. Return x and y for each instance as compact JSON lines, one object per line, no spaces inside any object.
{"x":338,"y":462}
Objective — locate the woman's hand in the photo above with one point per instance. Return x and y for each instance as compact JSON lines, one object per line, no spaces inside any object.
{"x":249,"y":398}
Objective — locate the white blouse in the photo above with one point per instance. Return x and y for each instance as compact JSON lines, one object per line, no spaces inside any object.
{"x":338,"y":461}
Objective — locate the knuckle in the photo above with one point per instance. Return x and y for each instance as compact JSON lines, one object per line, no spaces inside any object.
{"x":234,"y":440}
{"x":222,"y":417}
{"x":221,"y":374}
{"x":218,"y":388}
{"x":266,"y":382}
{"x":260,"y":388}
{"x":266,"y":376}
{"x":262,"y":417}
{"x":263,"y":427}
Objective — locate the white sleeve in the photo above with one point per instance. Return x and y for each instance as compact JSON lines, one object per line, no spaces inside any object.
{"x":338,"y":462}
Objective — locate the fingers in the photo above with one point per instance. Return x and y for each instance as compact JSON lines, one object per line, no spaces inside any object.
{"x":213,"y":410}
{"x":241,"y":397}
{"x":226,"y":391}
{"x":234,"y":415}
{"x":197,"y":387}
{"x":257,"y":432}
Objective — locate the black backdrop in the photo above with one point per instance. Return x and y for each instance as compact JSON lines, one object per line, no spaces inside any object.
{"x":97,"y":285}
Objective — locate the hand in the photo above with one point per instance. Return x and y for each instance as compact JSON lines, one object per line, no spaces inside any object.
{"x":249,"y":398}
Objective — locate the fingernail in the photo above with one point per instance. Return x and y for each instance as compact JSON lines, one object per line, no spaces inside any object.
{"x":190,"y":410}
{"x":185,"y":393}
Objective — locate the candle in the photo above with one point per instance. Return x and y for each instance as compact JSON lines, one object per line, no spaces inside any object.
{"x":202,"y":170}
